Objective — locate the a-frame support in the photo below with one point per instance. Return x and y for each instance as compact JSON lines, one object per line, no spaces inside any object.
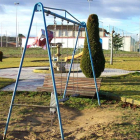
{"x":39,"y":8}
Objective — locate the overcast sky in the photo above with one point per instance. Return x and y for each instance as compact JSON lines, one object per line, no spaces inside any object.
{"x":123,"y":14}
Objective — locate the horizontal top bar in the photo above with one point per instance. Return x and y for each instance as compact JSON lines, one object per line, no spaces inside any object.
{"x":64,"y":11}
{"x":39,"y":7}
{"x":59,"y":16}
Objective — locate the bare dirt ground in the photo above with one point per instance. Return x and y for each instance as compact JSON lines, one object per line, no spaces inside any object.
{"x":88,"y":124}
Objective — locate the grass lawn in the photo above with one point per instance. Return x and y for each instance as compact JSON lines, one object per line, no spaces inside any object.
{"x":29,"y":123}
{"x":28,"y":62}
{"x":119,"y":63}
{"x":13,"y":51}
{"x":37,"y":51}
{"x":123,"y":86}
{"x":124,"y":63}
{"x":5,"y":81}
{"x":119,"y":52}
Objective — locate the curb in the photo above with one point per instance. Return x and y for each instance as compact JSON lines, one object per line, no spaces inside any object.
{"x":41,"y":71}
{"x":123,"y":99}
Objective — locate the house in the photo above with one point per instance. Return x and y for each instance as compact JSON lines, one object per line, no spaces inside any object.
{"x":66,"y":34}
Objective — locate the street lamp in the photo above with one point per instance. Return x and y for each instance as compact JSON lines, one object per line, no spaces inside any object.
{"x":16,"y":24}
{"x":1,"y":34}
{"x":102,"y":29}
{"x":89,"y":4}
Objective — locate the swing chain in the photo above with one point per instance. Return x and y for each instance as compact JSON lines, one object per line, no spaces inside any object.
{"x":62,"y":28}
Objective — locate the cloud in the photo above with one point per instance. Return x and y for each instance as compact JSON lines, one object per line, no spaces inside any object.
{"x":2,"y":9}
{"x":119,"y":9}
{"x":112,"y":12}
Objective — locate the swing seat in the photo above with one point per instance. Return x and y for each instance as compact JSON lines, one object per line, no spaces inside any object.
{"x":63,"y":99}
{"x":76,"y":86}
{"x":75,"y":95}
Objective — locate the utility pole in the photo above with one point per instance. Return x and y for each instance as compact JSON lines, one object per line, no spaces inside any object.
{"x":1,"y":34}
{"x":111,"y":55}
{"x":139,"y":38}
{"x":89,"y":4}
{"x":6,"y":38}
{"x":123,"y":40}
{"x":16,"y":24}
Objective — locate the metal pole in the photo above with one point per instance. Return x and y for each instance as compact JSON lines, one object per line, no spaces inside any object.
{"x":6,"y":38}
{"x":109,"y":37}
{"x":16,"y":24}
{"x":40,"y":5}
{"x":123,"y":40}
{"x":111,"y":55}
{"x":89,"y":4}
{"x":36,"y":28}
{"x":16,"y":84}
{"x":139,"y":38}
{"x":103,"y":29}
{"x":1,"y":34}
{"x":18,"y":35}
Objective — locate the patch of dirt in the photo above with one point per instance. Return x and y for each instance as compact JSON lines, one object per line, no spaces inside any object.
{"x":77,"y":125}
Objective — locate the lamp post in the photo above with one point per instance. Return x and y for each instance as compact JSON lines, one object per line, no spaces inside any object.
{"x":1,"y":34}
{"x":102,"y":29}
{"x":16,"y":24}
{"x":111,"y":55}
{"x":89,"y":4}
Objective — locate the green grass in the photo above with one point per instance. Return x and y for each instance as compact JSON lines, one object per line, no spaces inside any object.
{"x":119,"y":52}
{"x":124,"y":63}
{"x":5,"y":81}
{"x":13,"y":51}
{"x":28,"y":62}
{"x":119,"y":63}
{"x":34,"y":58}
{"x":16,"y":52}
{"x":82,"y":103}
{"x":123,"y":86}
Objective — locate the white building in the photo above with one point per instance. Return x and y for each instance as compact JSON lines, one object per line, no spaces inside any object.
{"x":67,"y":36}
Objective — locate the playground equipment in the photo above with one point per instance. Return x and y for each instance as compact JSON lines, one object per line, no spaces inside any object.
{"x":40,"y":40}
{"x":75,"y":84}
{"x":58,"y":65}
{"x":40,"y":8}
{"x":77,"y":55}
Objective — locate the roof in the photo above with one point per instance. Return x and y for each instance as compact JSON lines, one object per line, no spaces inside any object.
{"x":69,"y":27}
{"x":64,"y":27}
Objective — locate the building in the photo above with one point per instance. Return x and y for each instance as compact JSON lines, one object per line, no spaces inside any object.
{"x":67,"y":34}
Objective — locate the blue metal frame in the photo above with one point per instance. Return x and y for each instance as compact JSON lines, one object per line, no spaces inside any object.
{"x":66,"y":12}
{"x":20,"y":67}
{"x":39,"y":7}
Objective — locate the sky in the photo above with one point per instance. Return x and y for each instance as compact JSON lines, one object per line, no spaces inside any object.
{"x":123,"y":15}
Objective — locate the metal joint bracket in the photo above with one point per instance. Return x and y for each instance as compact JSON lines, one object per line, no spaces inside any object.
{"x":83,"y":24}
{"x":38,"y":7}
{"x":48,"y":12}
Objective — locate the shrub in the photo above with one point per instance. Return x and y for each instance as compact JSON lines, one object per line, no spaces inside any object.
{"x":1,"y":55}
{"x":96,"y":49}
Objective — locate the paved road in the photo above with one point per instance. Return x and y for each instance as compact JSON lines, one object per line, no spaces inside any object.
{"x":29,"y":80}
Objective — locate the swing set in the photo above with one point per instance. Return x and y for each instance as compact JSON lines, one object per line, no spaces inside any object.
{"x":44,"y":10}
